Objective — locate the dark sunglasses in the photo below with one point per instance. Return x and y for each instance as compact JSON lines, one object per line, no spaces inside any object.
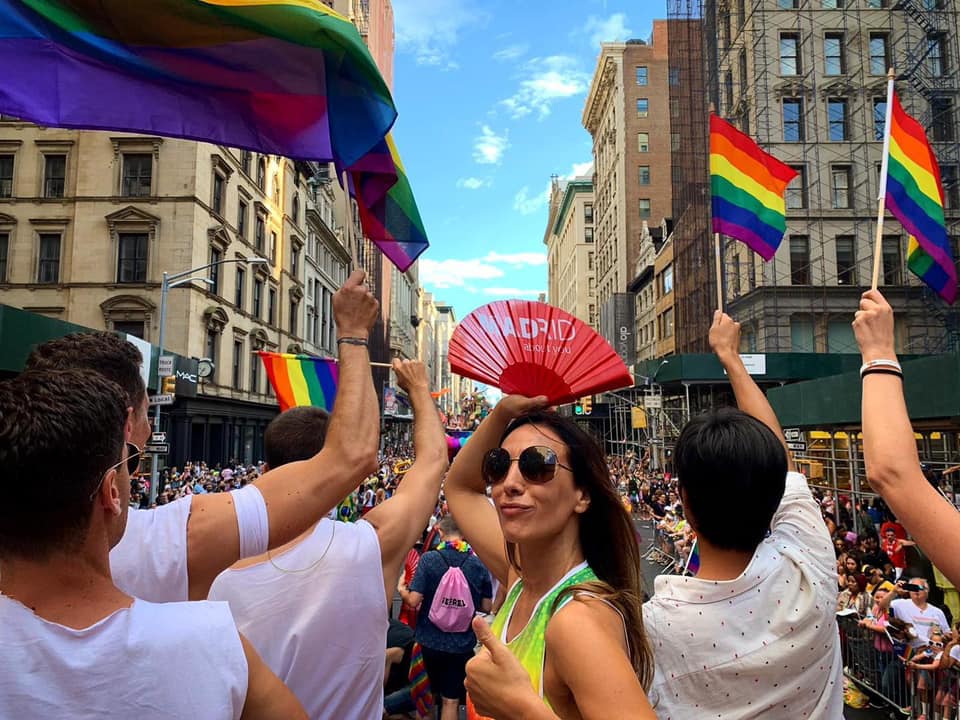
{"x":538,"y":464}
{"x":133,"y":464}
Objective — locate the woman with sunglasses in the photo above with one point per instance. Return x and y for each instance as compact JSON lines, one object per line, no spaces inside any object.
{"x":558,"y":537}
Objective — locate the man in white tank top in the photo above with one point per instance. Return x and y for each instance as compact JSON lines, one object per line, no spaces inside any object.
{"x":72,"y":644}
{"x":174,"y":552}
{"x":316,"y":608}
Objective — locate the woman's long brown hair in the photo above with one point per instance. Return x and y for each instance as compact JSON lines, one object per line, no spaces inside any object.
{"x":607,"y":537}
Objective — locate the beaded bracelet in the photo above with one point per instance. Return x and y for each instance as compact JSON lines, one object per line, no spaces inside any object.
{"x":352,"y":341}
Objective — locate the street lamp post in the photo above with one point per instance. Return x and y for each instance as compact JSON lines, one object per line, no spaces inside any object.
{"x":170,"y":281}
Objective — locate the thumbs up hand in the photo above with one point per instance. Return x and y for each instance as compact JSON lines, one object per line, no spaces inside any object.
{"x":499,"y":686}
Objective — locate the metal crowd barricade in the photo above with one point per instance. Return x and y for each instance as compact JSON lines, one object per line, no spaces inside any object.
{"x":867,"y":662}
{"x":661,"y":550}
{"x":935,"y":694}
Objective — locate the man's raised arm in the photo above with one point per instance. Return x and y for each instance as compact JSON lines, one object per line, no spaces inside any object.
{"x":725,"y":342}
{"x":400,"y":520}
{"x":299,"y":494}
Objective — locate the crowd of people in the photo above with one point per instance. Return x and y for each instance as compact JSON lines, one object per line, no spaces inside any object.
{"x":283,"y":608}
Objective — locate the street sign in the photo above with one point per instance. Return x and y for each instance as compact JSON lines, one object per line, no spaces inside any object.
{"x":755,"y":364}
{"x":165,"y":365}
{"x":797,"y":446}
{"x":653,"y":402}
{"x":793,"y":435}
{"x":158,"y":449}
{"x":158,"y":437}
{"x":162,"y":399}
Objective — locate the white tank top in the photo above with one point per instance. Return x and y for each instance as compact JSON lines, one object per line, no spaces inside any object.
{"x":148,"y":662}
{"x":159,"y":575}
{"x":318,"y":617}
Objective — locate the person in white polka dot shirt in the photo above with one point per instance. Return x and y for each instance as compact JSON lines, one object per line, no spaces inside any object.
{"x":754,"y":634}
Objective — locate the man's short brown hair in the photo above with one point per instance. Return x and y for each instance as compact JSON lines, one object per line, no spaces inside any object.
{"x":297,"y":434}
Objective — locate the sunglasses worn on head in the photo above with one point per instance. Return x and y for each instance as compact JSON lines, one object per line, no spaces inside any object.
{"x":133,"y":464}
{"x":538,"y":464}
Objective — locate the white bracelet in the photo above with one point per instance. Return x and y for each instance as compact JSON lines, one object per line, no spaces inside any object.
{"x":893,"y":364}
{"x":253,"y":523}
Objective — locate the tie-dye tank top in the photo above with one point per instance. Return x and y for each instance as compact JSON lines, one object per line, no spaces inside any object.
{"x":529,"y":645}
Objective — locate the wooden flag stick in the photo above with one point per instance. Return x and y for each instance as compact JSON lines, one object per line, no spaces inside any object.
{"x":716,"y":243}
{"x":882,"y":199}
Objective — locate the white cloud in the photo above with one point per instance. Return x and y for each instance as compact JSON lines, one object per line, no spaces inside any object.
{"x":509,"y":292}
{"x":611,"y":29}
{"x":488,"y":147}
{"x":546,"y":80}
{"x":511,"y":52}
{"x":527,"y":204}
{"x":516,"y":259}
{"x":429,"y":29}
{"x":472,"y":183}
{"x":455,"y":273}
{"x":581,"y":169}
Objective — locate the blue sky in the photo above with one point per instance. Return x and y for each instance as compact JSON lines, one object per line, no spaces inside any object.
{"x":490,"y":94}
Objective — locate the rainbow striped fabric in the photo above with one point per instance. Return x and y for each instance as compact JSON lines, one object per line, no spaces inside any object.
{"x":915,"y":197}
{"x":748,"y":187}
{"x":420,"y":684}
{"x":285,"y":77}
{"x":301,"y":379}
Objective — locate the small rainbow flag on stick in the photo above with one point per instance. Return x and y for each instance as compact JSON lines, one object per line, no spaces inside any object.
{"x":910,"y":176}
{"x":748,"y":187}
{"x":301,"y":379}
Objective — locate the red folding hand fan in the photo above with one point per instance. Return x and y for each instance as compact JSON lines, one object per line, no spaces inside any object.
{"x":531,"y":348}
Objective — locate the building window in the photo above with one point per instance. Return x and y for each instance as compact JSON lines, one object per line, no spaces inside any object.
{"x":259,"y":233}
{"x":137,"y":328}
{"x":294,"y":260}
{"x":238,"y":291}
{"x":644,"y":174}
{"x":643,"y":107}
{"x":799,"y":260}
{"x":793,"y":120}
{"x":257,"y":297}
{"x":790,"y":54}
{"x":643,"y":142}
{"x":255,"y":373}
{"x":801,"y":334}
{"x":245,"y":162}
{"x":937,"y":55}
{"x":876,"y":4}
{"x":951,"y":186}
{"x":588,"y":234}
{"x":941,"y":123}
{"x":48,"y":268}
{"x":892,"y":262}
{"x":242,"y":219}
{"x":273,"y":247}
{"x":879,"y":117}
{"x":833,"y":60}
{"x":4,"y":254}
{"x":840,"y":186}
{"x":54,"y":175}
{"x":294,"y":310}
{"x":295,"y":211}
{"x":132,"y":258}
{"x":588,"y":212}
{"x":272,"y":306}
{"x":262,"y":173}
{"x":6,"y":176}
{"x":643,"y":75}
{"x":137,"y":174}
{"x":837,"y":119}
{"x":667,"y":280}
{"x":846,"y":260}
{"x":237,"y":363}
{"x":644,"y":205}
{"x":213,"y":345}
{"x":797,"y":189}
{"x":218,"y":184}
{"x":216,"y":255}
{"x":788,"y":4}
{"x":879,"y":53}
{"x":834,"y":4}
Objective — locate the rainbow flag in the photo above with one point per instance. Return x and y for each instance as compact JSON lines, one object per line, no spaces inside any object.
{"x":420,"y":684}
{"x":284,"y":77}
{"x":301,"y":379}
{"x":693,"y":560}
{"x":748,"y":187}
{"x":914,"y":194}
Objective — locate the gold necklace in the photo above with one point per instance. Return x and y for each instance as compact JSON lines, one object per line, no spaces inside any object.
{"x":333,"y":530}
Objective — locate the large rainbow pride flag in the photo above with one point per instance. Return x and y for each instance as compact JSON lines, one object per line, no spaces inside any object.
{"x":285,"y":77}
{"x":748,"y":186}
{"x":301,"y":379}
{"x":914,"y":194}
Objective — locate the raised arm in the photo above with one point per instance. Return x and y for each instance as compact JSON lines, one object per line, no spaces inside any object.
{"x":466,"y":490}
{"x":889,"y":448}
{"x":725,"y":342}
{"x":299,"y":494}
{"x":400,"y":520}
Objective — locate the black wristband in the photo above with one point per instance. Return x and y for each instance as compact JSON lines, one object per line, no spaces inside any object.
{"x":352,"y":341}
{"x":880,"y":371}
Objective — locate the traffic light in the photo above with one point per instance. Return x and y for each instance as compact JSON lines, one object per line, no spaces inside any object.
{"x":168,"y":385}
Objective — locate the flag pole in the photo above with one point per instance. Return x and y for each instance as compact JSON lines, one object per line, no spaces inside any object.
{"x":882,"y":199}
{"x":717,"y":252}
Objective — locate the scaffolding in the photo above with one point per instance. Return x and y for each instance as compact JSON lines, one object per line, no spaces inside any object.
{"x":803,"y":299}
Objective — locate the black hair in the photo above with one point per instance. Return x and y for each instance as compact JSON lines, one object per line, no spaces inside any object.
{"x":104,"y":352}
{"x":732,"y":470}
{"x":60,"y":430}
{"x":297,"y":434}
